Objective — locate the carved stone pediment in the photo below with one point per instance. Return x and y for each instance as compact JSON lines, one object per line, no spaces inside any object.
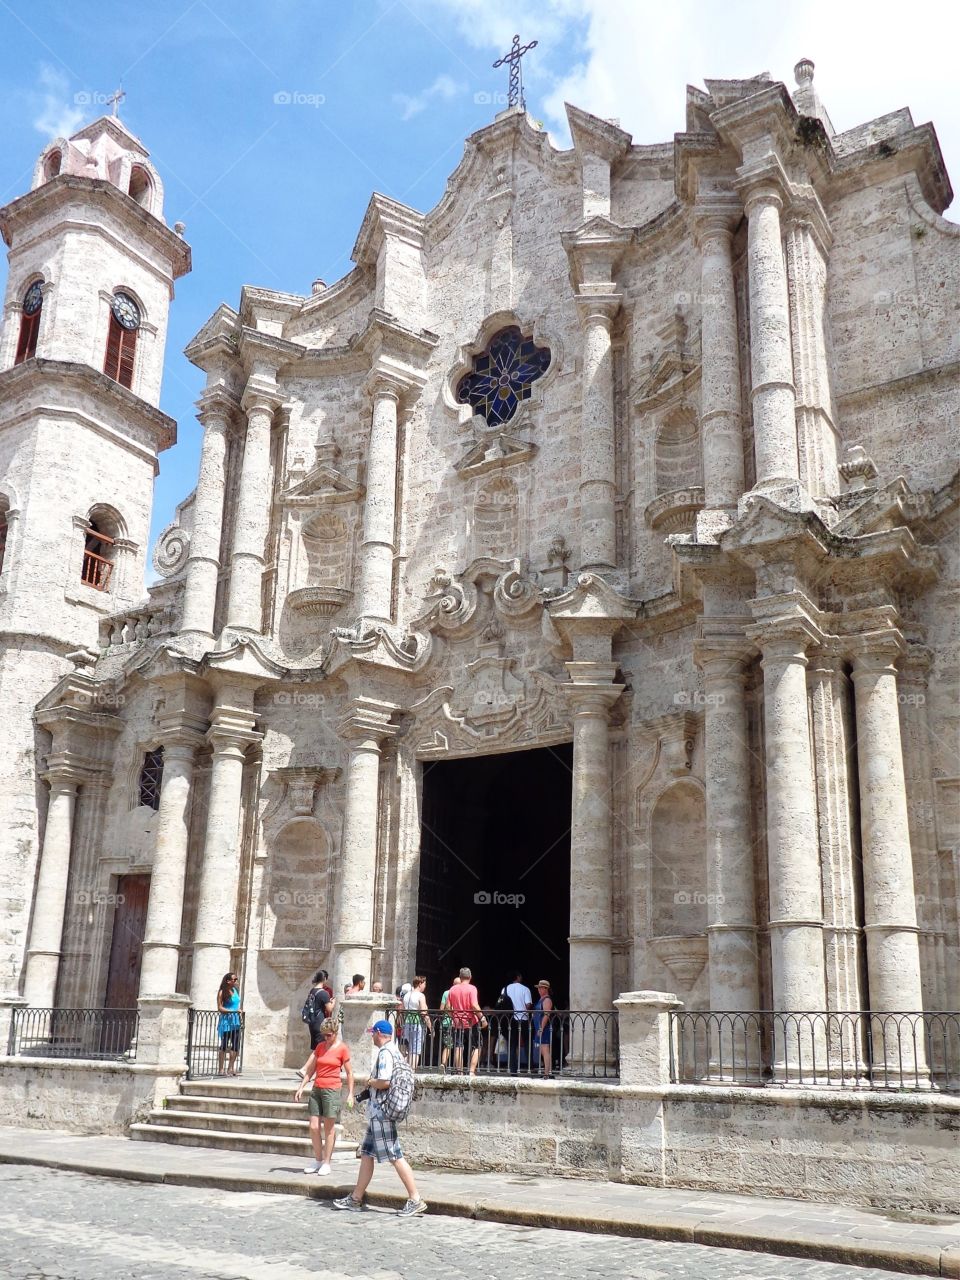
{"x":494,"y":453}
{"x":300,"y":783}
{"x":322,"y":484}
{"x":536,"y":714}
{"x":491,"y":693}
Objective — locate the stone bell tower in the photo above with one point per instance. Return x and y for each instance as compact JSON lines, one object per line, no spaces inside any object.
{"x":91,"y":276}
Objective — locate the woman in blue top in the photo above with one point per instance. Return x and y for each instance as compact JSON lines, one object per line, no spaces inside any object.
{"x":542,"y":1029}
{"x":228,"y":1024}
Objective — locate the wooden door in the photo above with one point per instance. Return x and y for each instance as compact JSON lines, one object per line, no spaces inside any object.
{"x":129,"y":923}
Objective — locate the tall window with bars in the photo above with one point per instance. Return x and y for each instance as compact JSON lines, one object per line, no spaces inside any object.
{"x":151,"y":777}
{"x":122,"y":339}
{"x":30,"y":310}
{"x":98,"y":552}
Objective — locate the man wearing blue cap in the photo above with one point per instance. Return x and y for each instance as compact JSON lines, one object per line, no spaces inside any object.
{"x":380,"y":1142}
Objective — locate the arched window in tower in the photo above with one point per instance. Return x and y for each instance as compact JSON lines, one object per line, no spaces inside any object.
{"x":503,"y":375}
{"x":151,"y":777}
{"x":30,"y":310}
{"x":4,"y":529}
{"x":140,"y":188}
{"x":98,"y":552}
{"x":52,"y":164}
{"x":122,"y":339}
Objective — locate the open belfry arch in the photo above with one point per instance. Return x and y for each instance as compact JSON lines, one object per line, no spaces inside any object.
{"x":641,"y":454}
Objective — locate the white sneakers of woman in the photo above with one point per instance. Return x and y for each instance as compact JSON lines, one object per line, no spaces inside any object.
{"x":316,"y":1167}
{"x":324,"y":1169}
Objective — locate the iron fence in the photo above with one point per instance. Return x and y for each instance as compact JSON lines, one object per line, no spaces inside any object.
{"x":564,"y":1043}
{"x":833,"y":1050}
{"x":210,"y":1044}
{"x":109,"y":1035}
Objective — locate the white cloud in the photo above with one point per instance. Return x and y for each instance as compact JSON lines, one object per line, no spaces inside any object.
{"x":58,"y":115}
{"x":443,"y":88}
{"x":633,"y":58}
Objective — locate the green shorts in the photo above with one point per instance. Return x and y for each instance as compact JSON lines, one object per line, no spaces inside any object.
{"x":325,"y":1102}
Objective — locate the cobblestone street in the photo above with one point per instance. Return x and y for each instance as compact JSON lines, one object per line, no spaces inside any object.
{"x":67,"y":1226}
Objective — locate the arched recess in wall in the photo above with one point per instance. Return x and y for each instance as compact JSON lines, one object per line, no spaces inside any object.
{"x":297,"y":899}
{"x":496,"y":518}
{"x":677,"y":451}
{"x":678,"y":835}
{"x":325,"y":545}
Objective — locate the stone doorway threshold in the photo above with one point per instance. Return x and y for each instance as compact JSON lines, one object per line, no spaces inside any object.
{"x":915,"y":1244}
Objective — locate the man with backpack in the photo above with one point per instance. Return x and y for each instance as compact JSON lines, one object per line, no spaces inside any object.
{"x":389,"y":1095}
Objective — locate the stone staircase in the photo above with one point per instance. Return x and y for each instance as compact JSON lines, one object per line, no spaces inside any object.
{"x":255,"y":1114}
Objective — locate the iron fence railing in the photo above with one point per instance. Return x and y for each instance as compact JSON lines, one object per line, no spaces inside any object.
{"x":834,"y":1050}
{"x":106,"y":1034}
{"x":210,"y":1046}
{"x":568,"y":1043}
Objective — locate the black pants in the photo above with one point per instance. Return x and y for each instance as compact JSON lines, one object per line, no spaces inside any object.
{"x":518,"y":1033}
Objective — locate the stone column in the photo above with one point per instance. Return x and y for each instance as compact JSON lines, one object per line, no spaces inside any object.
{"x":720,"y":409}
{"x":366,"y":727}
{"x":378,"y":549}
{"x":203,"y":560}
{"x":161,"y":940}
{"x":889,"y":896}
{"x":220,"y":874}
{"x":816,"y":432}
{"x":796,"y":904}
{"x":598,"y":446}
{"x":774,"y":424}
{"x":731,"y":909}
{"x":245,"y":605}
{"x":591,"y":695}
{"x":50,"y":898}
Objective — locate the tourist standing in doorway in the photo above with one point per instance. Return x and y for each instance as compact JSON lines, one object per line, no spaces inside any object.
{"x":543,"y":1028}
{"x":446,"y":1025}
{"x":468,"y":1022}
{"x":328,"y":1059}
{"x":228,"y":1025}
{"x":521,"y":999}
{"x":416,"y":1024}
{"x":380,"y":1141}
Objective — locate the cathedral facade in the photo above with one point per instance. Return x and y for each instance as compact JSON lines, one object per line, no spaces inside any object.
{"x":571,"y":587}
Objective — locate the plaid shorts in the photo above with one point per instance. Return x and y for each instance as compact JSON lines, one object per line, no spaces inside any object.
{"x":380,"y":1140}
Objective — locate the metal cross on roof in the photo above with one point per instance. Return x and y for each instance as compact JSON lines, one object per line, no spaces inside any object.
{"x":515,"y":92}
{"x":116,"y":98}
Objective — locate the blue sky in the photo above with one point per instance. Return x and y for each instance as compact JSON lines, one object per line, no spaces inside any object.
{"x":384,"y":92}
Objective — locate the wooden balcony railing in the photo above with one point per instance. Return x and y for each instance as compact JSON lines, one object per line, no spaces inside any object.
{"x":96,"y":571}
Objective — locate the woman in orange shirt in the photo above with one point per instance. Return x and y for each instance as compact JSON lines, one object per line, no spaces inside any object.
{"x":323,"y":1073}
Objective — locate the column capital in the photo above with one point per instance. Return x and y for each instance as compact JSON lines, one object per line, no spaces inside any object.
{"x":228,"y":739}
{"x":715,"y":220}
{"x":723,"y":657}
{"x":763,"y":184}
{"x":181,"y":738}
{"x":784,"y":639}
{"x":64,"y":781}
{"x":876,"y":652}
{"x":368,"y":721}
{"x":260,"y":396}
{"x":592,"y":690}
{"x":216,"y":405}
{"x":600,"y":307}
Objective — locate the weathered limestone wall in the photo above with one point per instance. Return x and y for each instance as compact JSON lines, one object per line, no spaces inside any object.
{"x":81,"y":1097}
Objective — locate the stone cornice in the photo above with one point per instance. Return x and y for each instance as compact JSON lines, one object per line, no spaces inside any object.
{"x":38,"y":374}
{"x":593,"y":136}
{"x":66,"y":188}
{"x":397,"y":354}
{"x":217,"y":341}
{"x":368,"y":720}
{"x":386,"y":218}
{"x":257,"y":348}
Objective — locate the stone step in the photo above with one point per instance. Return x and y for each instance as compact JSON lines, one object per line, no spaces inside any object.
{"x":222,"y":1141}
{"x":256,"y":1091}
{"x":238,"y":1106}
{"x":258,"y":1126}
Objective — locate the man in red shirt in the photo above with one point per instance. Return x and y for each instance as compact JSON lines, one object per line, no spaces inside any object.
{"x":468,"y":1021}
{"x":323,"y":1071}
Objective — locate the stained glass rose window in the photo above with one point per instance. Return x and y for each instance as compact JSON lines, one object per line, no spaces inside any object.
{"x":503,"y":375}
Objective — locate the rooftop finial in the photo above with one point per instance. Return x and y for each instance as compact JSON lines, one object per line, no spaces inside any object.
{"x":803,"y":71}
{"x":515,"y":90}
{"x":115,"y":99}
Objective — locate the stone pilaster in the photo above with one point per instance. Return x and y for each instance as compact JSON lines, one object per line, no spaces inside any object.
{"x":161,"y":941}
{"x":721,"y":432}
{"x":913,"y":685}
{"x":245,"y":600}
{"x":645,"y":1037}
{"x":203,"y":559}
{"x":830,"y":699}
{"x":379,"y":546}
{"x":50,"y":898}
{"x":796,"y":903}
{"x":807,"y":244}
{"x":230,"y":734}
{"x":731,"y":906}
{"x":889,"y":895}
{"x":591,"y":695}
{"x":773,"y":396}
{"x":366,"y":727}
{"x":598,"y":449}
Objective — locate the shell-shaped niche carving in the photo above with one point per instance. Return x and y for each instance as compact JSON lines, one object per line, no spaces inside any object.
{"x":325,"y":547}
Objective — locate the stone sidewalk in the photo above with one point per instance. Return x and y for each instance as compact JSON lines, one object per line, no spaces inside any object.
{"x":915,"y":1244}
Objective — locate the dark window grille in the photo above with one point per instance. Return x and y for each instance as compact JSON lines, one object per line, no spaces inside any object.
{"x":151,"y":776}
{"x":503,"y":375}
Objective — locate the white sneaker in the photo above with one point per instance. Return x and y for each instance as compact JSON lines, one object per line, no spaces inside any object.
{"x":323,"y":1169}
{"x":315,"y":1167}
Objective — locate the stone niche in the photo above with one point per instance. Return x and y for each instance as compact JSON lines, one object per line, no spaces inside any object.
{"x":678,"y":837}
{"x":297,"y":887}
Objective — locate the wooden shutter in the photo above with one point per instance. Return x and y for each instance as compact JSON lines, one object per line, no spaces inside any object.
{"x":27,"y":342}
{"x":128,"y":347}
{"x":111,"y":365}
